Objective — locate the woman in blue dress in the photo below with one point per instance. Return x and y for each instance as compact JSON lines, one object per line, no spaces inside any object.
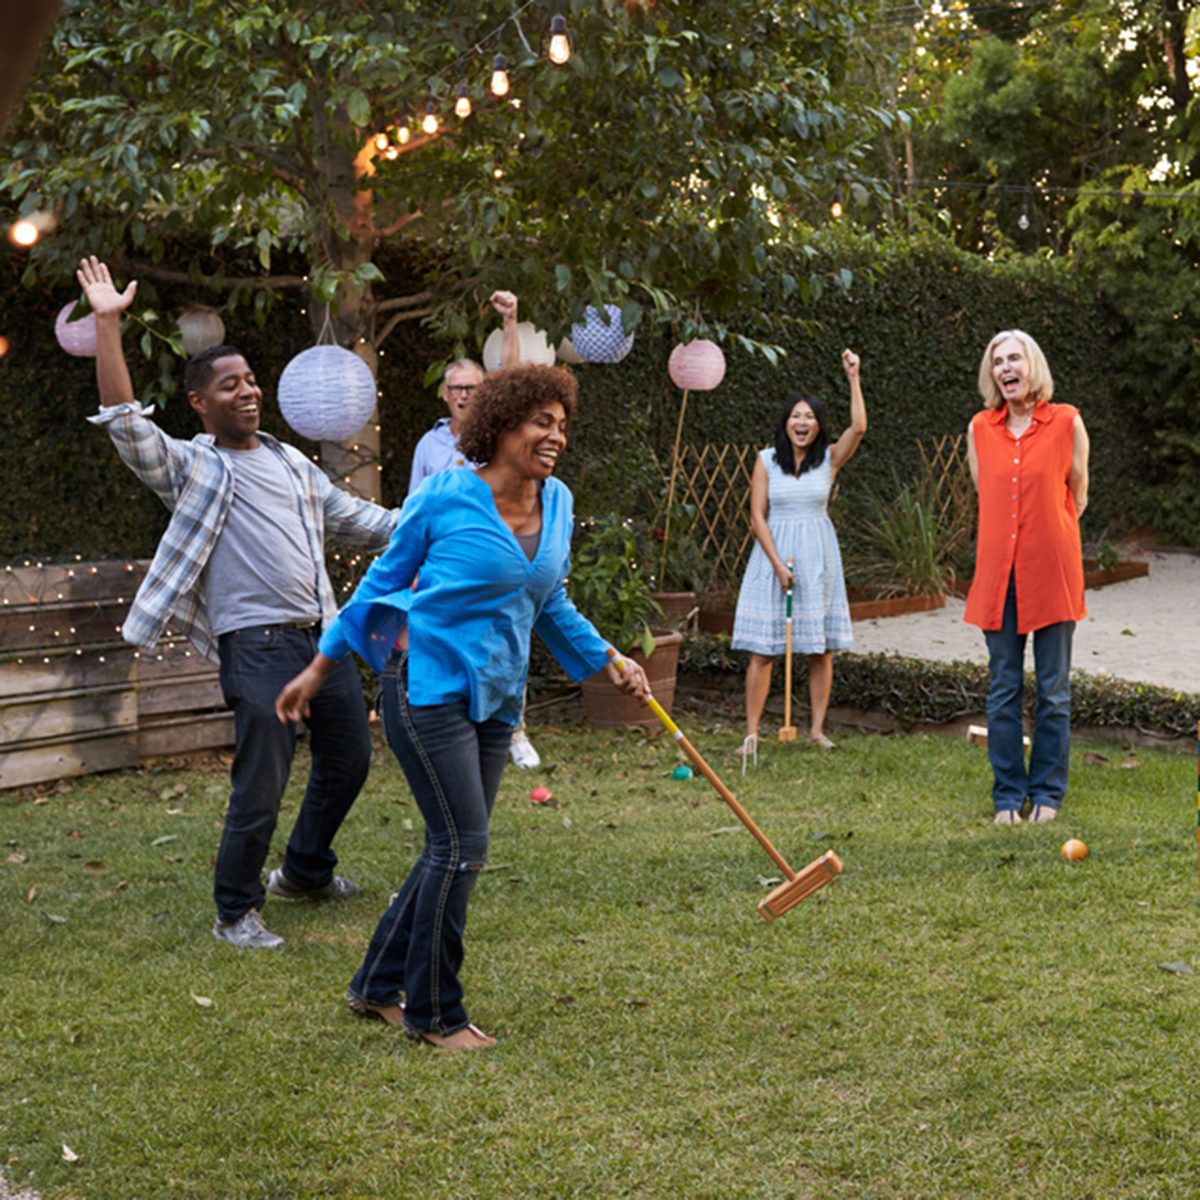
{"x":491,"y":548}
{"x":789,"y":496}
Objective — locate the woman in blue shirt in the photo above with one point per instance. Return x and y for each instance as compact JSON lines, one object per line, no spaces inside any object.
{"x":491,"y":550}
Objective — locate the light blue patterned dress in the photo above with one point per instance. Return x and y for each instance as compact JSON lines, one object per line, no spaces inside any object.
{"x":798,"y":518}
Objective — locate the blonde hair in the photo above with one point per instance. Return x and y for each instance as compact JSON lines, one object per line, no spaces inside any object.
{"x":1041,"y":383}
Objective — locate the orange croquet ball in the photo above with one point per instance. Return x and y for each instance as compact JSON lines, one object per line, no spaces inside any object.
{"x":1073,"y":850}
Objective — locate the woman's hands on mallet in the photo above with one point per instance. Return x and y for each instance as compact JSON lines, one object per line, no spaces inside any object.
{"x":629,"y":677}
{"x":786,"y":578}
{"x":293,"y":702}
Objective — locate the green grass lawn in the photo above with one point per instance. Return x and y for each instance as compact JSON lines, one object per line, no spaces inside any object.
{"x":962,"y":1014}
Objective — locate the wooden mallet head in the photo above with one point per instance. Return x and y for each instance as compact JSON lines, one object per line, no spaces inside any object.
{"x":787,"y":895}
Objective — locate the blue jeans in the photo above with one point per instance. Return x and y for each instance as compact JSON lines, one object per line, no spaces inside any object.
{"x":1045,"y":780}
{"x":255,"y":664}
{"x":453,"y":766}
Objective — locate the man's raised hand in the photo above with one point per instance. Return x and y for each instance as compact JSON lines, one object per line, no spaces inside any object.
{"x":100,"y":290}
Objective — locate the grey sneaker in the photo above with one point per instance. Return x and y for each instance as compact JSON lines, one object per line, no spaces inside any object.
{"x":278,"y":884}
{"x":247,"y":931}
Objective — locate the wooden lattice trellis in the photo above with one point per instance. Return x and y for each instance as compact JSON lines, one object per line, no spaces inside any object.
{"x":715,"y":478}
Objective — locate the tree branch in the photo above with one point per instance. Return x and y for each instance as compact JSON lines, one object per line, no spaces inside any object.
{"x":403,"y":301}
{"x":229,"y":282}
{"x":283,"y":168}
{"x":398,"y":224}
{"x":395,"y":320}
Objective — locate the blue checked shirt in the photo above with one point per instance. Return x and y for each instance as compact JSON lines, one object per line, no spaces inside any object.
{"x":194,"y":482}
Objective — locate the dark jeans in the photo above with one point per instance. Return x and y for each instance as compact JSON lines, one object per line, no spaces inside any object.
{"x":1045,"y":780}
{"x":255,"y":664}
{"x":453,"y":766}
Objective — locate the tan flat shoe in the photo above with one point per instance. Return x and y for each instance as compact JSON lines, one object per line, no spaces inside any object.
{"x":470,"y":1037}
{"x":389,"y":1014}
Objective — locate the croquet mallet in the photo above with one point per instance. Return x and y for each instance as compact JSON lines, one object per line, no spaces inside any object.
{"x":798,"y":884}
{"x":788,"y":732}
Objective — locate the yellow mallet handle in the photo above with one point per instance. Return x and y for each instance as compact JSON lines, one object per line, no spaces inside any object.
{"x":711,"y":775}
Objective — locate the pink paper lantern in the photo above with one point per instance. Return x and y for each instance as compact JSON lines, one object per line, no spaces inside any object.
{"x":76,"y":337}
{"x":696,"y":366}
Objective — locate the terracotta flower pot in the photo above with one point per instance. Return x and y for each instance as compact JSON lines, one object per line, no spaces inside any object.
{"x":606,"y":706}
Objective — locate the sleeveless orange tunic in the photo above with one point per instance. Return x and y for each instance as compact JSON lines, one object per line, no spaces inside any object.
{"x":1027,"y":521}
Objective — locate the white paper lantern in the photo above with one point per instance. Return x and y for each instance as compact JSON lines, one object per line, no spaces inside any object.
{"x":327,"y":393}
{"x":596,"y":342}
{"x":76,"y":337}
{"x":567,"y":353}
{"x":696,"y":366}
{"x":200,"y":328}
{"x":533,"y":346}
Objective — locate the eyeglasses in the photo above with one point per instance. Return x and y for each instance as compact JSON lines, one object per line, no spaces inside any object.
{"x":465,"y":388}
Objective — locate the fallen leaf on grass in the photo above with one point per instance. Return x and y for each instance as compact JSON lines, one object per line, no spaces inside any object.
{"x":1131,"y":763}
{"x":768,"y":881}
{"x":724,"y":829}
{"x":166,"y":837}
{"x":55,"y":919}
{"x":31,"y":895}
{"x":1176,"y":968}
{"x":566,"y":822}
{"x":69,"y":1155}
{"x":121,"y":886}
{"x":17,"y":858}
{"x":174,"y":812}
{"x":94,"y":867}
{"x":203,"y":1001}
{"x":1128,"y":633}
{"x":1093,"y":759}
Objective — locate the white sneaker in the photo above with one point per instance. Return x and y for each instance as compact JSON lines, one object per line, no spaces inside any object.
{"x":522,"y":751}
{"x":247,"y":931}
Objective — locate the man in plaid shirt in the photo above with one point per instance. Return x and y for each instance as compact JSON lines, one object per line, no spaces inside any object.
{"x":241,"y":570}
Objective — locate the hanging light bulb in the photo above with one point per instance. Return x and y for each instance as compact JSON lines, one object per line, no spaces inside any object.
{"x":23,"y":233}
{"x":499,"y":75}
{"x":429,"y":122}
{"x":836,"y":210}
{"x":1023,"y":219}
{"x":462,"y":106}
{"x":391,"y":153}
{"x":403,"y":133}
{"x":560,"y":43}
{"x":381,"y":141}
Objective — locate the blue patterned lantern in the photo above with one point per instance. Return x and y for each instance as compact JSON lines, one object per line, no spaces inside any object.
{"x":327,"y":394}
{"x":596,"y":342}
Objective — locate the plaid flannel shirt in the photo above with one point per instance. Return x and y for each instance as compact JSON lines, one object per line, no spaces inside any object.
{"x":192,"y":479}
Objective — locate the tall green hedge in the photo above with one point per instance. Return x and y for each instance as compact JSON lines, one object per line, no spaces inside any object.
{"x":919,"y":313}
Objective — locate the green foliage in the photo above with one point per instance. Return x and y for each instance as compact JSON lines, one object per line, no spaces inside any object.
{"x":608,"y":583}
{"x":688,"y":568}
{"x":916,"y":691}
{"x":655,"y":170}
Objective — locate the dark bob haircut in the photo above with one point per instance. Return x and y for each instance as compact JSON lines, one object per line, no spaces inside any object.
{"x":506,"y":399}
{"x":784,"y":454}
{"x":198,"y":370}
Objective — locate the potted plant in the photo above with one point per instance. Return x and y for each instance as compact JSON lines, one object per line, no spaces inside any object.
{"x":612,"y":589}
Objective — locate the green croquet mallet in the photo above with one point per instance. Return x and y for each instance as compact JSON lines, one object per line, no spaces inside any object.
{"x":796,"y":885}
{"x":788,"y":732}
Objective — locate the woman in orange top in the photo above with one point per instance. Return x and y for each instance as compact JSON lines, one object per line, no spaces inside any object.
{"x":1029,"y":462}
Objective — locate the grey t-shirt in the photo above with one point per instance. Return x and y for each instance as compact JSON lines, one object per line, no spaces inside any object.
{"x":261,"y":570}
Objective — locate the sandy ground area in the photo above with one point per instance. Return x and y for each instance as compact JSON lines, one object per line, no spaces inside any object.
{"x":1147,"y":630}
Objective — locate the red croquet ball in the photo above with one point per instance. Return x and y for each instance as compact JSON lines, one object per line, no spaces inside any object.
{"x":541,"y":795}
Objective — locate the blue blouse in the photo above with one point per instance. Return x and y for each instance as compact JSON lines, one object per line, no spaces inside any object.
{"x":477,"y":599}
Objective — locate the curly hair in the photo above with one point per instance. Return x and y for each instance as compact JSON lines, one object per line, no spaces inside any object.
{"x":506,"y":399}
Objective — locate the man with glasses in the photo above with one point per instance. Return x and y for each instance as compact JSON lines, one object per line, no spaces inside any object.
{"x":438,"y":449}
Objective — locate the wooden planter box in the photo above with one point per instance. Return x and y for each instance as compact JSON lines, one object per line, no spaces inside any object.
{"x":1095,"y":576}
{"x":860,"y":610}
{"x":75,"y":698}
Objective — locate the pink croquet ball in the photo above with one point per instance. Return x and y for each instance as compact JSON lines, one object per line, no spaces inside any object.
{"x":541,"y":795}
{"x":696,"y":366}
